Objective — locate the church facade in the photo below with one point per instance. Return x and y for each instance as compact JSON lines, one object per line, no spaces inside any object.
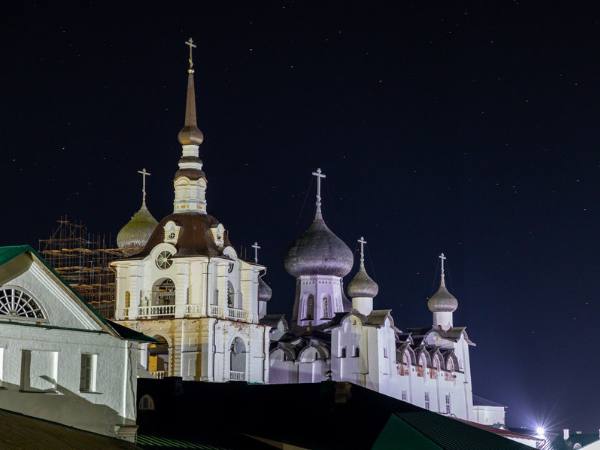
{"x":185,"y":285}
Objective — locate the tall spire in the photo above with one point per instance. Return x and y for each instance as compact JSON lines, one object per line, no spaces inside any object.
{"x":144,"y":174}
{"x":320,"y":175}
{"x":190,"y":134}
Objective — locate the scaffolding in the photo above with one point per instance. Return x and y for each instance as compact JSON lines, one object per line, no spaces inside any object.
{"x":82,"y":260}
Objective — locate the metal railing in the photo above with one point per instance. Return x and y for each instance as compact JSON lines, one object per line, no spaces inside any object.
{"x":156,"y":311}
{"x":237,"y":376}
{"x":159,"y":374}
{"x":214,"y":310}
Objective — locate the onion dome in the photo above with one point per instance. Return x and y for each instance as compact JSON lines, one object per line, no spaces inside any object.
{"x":319,"y":252}
{"x":264,"y":291}
{"x":362,"y":285}
{"x":138,"y":230}
{"x":442,"y":300}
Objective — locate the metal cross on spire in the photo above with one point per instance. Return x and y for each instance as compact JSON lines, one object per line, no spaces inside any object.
{"x":320,"y":175}
{"x":192,"y":46}
{"x":362,"y":243}
{"x":144,"y":174}
{"x":442,"y":261}
{"x":256,"y":248}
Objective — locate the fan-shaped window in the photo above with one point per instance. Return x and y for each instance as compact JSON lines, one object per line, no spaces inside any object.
{"x":16,"y":303}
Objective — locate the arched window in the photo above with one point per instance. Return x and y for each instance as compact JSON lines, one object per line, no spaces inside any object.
{"x":146,"y":403}
{"x":127,"y":299}
{"x":356,"y":352}
{"x":343,"y":352}
{"x":15,"y":303}
{"x":237,"y":360}
{"x":326,"y":313}
{"x":163,"y":292}
{"x":230,"y":295}
{"x":310,"y":308}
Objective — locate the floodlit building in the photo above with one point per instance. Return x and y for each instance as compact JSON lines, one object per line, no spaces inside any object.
{"x":185,"y":284}
{"x":59,"y":359}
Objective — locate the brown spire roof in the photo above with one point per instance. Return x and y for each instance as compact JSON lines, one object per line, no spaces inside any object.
{"x":190,"y":134}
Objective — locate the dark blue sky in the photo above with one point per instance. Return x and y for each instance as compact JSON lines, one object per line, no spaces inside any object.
{"x":461,"y":128}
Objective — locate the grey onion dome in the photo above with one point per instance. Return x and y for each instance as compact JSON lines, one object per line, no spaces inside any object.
{"x":442,"y":300}
{"x":264,"y":291}
{"x":362,"y":285}
{"x":138,"y":230}
{"x":319,"y":252}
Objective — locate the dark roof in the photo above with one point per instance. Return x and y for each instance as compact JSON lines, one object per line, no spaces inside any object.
{"x":480,"y":401}
{"x":575,"y":437}
{"x":129,"y":334}
{"x":24,"y":432}
{"x":272,"y":320}
{"x":348,"y":417}
{"x":195,"y":237}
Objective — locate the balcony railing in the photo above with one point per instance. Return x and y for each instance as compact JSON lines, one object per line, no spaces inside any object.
{"x":156,"y":311}
{"x":214,"y":310}
{"x":237,"y":376}
{"x":236,"y":313}
{"x":192,"y":309}
{"x":159,"y":374}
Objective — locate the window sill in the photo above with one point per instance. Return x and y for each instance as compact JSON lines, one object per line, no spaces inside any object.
{"x":91,"y":392}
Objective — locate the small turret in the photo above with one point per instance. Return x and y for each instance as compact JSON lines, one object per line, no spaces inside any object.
{"x":362,"y":289}
{"x":442,"y":304}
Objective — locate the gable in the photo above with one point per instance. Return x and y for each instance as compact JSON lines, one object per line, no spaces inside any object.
{"x":31,"y":293}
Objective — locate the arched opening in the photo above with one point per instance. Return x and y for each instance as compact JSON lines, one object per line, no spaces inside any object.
{"x":163,"y":298}
{"x":127,"y":300}
{"x":237,"y":360}
{"x":310,"y":308}
{"x":404,"y":366}
{"x":158,"y":358}
{"x":230,"y":295}
{"x":435,"y":367}
{"x":326,"y":313}
{"x":422,"y":363}
{"x":146,"y":403}
{"x":18,"y":304}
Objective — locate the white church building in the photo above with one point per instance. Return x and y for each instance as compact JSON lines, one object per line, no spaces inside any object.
{"x":185,"y":284}
{"x":59,"y":360}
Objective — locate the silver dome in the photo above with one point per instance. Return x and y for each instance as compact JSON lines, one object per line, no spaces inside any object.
{"x":319,"y":252}
{"x":442,"y":300}
{"x":362,"y":285}
{"x":264,"y":291}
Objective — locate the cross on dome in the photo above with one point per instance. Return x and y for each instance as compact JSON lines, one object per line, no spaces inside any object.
{"x":320,"y":175}
{"x":256,"y":248}
{"x":144,"y":174}
{"x":443,"y":272}
{"x":192,"y":46}
{"x":362,"y":243}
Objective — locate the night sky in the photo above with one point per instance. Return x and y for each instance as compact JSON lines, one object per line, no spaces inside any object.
{"x":461,"y":128}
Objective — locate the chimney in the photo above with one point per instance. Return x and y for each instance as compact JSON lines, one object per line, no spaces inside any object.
{"x":565,"y":434}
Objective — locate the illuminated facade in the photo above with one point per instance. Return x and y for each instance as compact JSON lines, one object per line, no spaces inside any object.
{"x":187,"y":287}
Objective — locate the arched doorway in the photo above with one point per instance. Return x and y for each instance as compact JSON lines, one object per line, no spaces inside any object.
{"x":237,"y":360}
{"x":163,"y":298}
{"x":158,"y":358}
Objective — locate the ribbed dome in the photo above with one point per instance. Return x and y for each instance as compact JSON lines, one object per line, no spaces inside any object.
{"x":362,"y":285}
{"x":264,"y":291}
{"x":442,"y":300}
{"x":319,"y":252}
{"x":137,"y":231}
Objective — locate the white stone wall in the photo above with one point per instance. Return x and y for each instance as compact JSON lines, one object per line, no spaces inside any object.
{"x":56,"y":346}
